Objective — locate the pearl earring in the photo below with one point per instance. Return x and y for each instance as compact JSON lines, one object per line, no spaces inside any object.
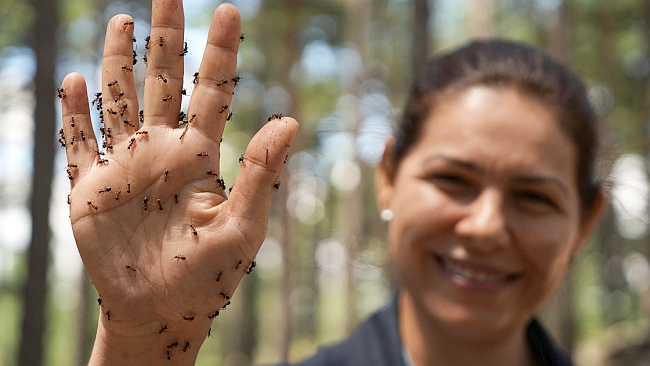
{"x":386,"y":214}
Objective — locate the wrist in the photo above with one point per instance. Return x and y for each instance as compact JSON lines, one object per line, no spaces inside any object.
{"x":146,"y":344}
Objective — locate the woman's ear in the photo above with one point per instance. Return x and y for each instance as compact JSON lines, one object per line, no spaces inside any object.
{"x":384,"y":176}
{"x":590,"y":222}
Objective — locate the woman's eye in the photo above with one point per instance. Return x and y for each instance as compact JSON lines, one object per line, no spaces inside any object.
{"x":451,"y":179}
{"x":537,"y":198}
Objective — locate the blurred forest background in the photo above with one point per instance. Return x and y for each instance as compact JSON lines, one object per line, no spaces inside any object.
{"x":343,"y":69}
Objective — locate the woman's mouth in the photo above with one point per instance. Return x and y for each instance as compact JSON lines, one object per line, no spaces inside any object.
{"x":472,"y":277}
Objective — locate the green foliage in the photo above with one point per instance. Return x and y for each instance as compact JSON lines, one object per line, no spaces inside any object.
{"x":16,"y":19}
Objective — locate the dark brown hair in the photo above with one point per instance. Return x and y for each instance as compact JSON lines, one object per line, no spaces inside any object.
{"x":502,"y":63}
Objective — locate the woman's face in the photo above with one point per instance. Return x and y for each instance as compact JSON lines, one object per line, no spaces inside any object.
{"x":486,"y":212}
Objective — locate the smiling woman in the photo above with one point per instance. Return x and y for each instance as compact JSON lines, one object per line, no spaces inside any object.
{"x":489,"y":186}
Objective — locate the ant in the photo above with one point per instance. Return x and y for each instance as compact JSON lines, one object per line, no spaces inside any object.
{"x":188,"y":318}
{"x":135,"y":55}
{"x":123,"y":109}
{"x":90,"y":204}
{"x":187,"y":125}
{"x":60,"y":92}
{"x":126,"y":67}
{"x":241,"y":37}
{"x":71,"y":165}
{"x":163,"y":329}
{"x":128,"y":187}
{"x":160,"y":207}
{"x":117,"y":195}
{"x":250,"y":268}
{"x":275,"y":116}
{"x":166,"y":173}
{"x":143,"y":132}
{"x":62,"y":138}
{"x":102,"y":161}
{"x":219,"y":276}
{"x":144,"y":58}
{"x":175,"y":198}
{"x":69,"y":174}
{"x":169,"y":354}
{"x":209,"y":331}
{"x":193,"y":228}
{"x":68,"y":199}
{"x":146,"y":42}
{"x":72,"y":140}
{"x":161,"y":41}
{"x":162,"y":78}
{"x":213,"y":315}
{"x":212,"y":172}
{"x":108,"y":133}
{"x":131,"y":143}
{"x":167,"y":98}
{"x":114,"y":82}
{"x":276,"y":186}
{"x":224,"y":108}
{"x":229,"y":117}
{"x":221,"y":183}
{"x":145,"y":203}
{"x":186,"y":346}
{"x":236,"y":79}
{"x":183,"y":91}
{"x":202,"y":153}
{"x":104,"y":190}
{"x":72,"y":122}
{"x":83,"y":135}
{"x":175,"y":344}
{"x":99,"y":301}
{"x":141,"y":114}
{"x":108,"y":315}
{"x":179,"y":257}
{"x":130,"y":22}
{"x":131,"y":267}
{"x":184,"y":51}
{"x":225,"y":295}
{"x":196,"y":78}
{"x":239,"y":263}
{"x":225,"y":305}
{"x":182,"y":115}
{"x":241,"y":158}
{"x":222,"y":82}
{"x":111,"y":111}
{"x":98,"y":100}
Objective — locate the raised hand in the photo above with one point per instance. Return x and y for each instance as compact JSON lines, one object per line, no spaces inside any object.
{"x":162,"y":243}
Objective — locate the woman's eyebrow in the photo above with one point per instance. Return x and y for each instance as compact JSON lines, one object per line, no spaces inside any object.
{"x":531,"y":179}
{"x":452,"y":160}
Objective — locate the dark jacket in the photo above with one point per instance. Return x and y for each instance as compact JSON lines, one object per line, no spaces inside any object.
{"x":376,"y":342}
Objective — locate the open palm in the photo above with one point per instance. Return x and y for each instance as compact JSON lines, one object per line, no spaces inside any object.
{"x":163,"y":244}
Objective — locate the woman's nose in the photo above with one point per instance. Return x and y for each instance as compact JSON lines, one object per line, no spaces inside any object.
{"x":484,"y":223}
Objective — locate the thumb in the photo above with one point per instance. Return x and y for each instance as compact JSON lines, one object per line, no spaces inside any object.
{"x":253,"y":189}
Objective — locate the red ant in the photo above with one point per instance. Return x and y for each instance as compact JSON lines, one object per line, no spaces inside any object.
{"x":62,"y":138}
{"x":102,"y":161}
{"x":146,"y":42}
{"x":162,"y":78}
{"x":161,"y":41}
{"x":90,"y":204}
{"x":114,"y":82}
{"x":224,"y":108}
{"x":98,"y":99}
{"x":186,"y":346}
{"x":193,"y":228}
{"x":72,"y":122}
{"x":141,"y":113}
{"x":179,"y":257}
{"x":104,"y":190}
{"x":83,"y":135}
{"x":143,"y":132}
{"x":60,"y":92}
{"x":131,"y":143}
{"x":163,"y":329}
{"x":275,"y":116}
{"x":72,"y":140}
{"x":213,"y":315}
{"x":126,"y":67}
